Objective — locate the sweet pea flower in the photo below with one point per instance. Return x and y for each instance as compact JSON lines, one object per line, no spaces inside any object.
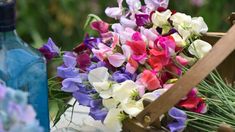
{"x":125,"y":22}
{"x":71,"y":84}
{"x":68,"y":69}
{"x":110,"y":103}
{"x":98,"y":78}
{"x":134,"y":5}
{"x":132,"y":107}
{"x":100,"y":26}
{"x":199,"y":48}
{"x":160,"y":19}
{"x":131,"y":66}
{"x":91,"y":42}
{"x":178,"y":40}
{"x":113,"y":12}
{"x":139,"y":50}
{"x":199,"y":25}
{"x":149,"y":80}
{"x":49,"y":50}
{"x":158,"y":59}
{"x":155,"y":4}
{"x":83,"y":61}
{"x":142,"y":19}
{"x":116,"y":59}
{"x":193,"y":103}
{"x":123,"y":91}
{"x":120,"y":77}
{"x":112,"y":120}
{"x":98,"y":114}
{"x":179,"y":123}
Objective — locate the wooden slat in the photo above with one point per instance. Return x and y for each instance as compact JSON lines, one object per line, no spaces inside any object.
{"x":194,"y":76}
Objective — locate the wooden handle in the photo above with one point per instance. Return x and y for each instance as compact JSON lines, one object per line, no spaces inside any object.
{"x":191,"y":78}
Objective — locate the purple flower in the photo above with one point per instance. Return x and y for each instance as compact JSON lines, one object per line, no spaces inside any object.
{"x":142,"y":19}
{"x":71,"y":84}
{"x":120,"y":77}
{"x":91,"y":42}
{"x":83,"y":98}
{"x":98,"y":114}
{"x":179,"y":117}
{"x":49,"y":50}
{"x":68,"y":70}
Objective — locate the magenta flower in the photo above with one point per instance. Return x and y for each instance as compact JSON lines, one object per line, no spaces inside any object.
{"x":142,"y":19}
{"x":198,"y":3}
{"x":100,"y":26}
{"x":49,"y":50}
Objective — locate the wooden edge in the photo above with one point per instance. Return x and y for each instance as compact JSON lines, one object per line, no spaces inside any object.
{"x":232,"y":18}
{"x":195,"y":75}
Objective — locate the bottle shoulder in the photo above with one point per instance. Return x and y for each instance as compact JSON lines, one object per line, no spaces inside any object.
{"x":17,"y":57}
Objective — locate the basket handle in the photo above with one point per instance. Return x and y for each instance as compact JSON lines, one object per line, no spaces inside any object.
{"x":195,"y":75}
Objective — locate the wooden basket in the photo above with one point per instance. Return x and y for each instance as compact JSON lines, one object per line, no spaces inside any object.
{"x":221,"y":56}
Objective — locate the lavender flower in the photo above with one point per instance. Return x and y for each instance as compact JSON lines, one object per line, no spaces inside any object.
{"x":120,"y":77}
{"x":49,"y":50}
{"x":179,"y":117}
{"x":68,"y":69}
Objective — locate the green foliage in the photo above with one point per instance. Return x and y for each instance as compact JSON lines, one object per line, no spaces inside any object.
{"x":63,"y":20}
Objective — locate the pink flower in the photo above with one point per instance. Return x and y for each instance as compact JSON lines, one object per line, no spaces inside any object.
{"x":116,"y":59}
{"x":150,"y":80}
{"x":139,"y":50}
{"x":127,"y":22}
{"x":182,"y":60}
{"x":166,"y":43}
{"x":131,"y":66}
{"x":100,"y":26}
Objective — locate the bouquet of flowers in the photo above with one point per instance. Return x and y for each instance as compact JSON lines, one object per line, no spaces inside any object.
{"x":15,"y":114}
{"x":139,"y":57}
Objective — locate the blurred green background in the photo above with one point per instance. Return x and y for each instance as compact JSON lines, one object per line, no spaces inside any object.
{"x":63,"y":20}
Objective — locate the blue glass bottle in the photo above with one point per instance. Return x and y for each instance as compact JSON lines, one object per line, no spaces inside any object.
{"x":21,"y":66}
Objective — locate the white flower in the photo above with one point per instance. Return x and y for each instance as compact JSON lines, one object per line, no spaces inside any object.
{"x":179,"y":40}
{"x":124,"y":91}
{"x":154,"y":95}
{"x":199,"y":25}
{"x":199,"y":48}
{"x":110,"y":103}
{"x":181,"y":19}
{"x":161,"y":18}
{"x":187,"y":26}
{"x":98,"y":75}
{"x":98,"y":78}
{"x":112,"y":120}
{"x":132,"y":107}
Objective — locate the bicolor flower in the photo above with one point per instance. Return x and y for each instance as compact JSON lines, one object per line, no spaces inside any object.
{"x":100,"y":26}
{"x":149,"y":80}
{"x":49,"y":50}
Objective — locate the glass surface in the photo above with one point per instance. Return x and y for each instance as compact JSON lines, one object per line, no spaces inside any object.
{"x":22,"y":67}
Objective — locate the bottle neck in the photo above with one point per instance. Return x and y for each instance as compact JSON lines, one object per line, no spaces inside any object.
{"x":4,"y":36}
